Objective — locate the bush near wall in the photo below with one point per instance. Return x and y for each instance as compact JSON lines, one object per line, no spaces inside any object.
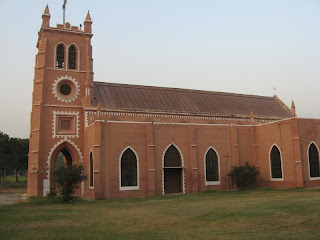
{"x":244,"y":176}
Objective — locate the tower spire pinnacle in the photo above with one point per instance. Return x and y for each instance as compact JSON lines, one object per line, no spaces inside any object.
{"x":87,"y":23}
{"x":46,"y":17}
{"x":293,"y":109}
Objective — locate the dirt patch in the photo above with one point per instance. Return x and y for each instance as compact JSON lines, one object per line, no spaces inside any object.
{"x":12,"y":195}
{"x":13,"y":190}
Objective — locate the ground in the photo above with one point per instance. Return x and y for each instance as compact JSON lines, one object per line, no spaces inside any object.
{"x":253,"y":214}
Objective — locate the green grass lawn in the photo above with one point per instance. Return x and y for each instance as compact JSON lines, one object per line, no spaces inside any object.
{"x":252,"y":214}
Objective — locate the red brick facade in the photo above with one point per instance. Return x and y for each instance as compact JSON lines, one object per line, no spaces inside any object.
{"x":85,"y":119}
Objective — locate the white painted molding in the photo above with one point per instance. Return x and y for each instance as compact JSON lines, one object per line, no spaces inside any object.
{"x":55,"y":90}
{"x":56,"y":114}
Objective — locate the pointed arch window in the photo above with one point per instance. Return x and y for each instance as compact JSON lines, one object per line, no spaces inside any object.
{"x":72,"y":57}
{"x":212,"y":166}
{"x":60,"y":56}
{"x":129,"y":177}
{"x":91,"y":171}
{"x":314,"y":161}
{"x":276,"y":166}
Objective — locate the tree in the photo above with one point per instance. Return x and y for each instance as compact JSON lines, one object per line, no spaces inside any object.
{"x":244,"y":176}
{"x":4,"y":150}
{"x":68,"y":180}
{"x":18,"y":155}
{"x":13,"y":155}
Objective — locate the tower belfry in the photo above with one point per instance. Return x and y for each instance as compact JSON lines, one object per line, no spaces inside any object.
{"x":63,"y":87}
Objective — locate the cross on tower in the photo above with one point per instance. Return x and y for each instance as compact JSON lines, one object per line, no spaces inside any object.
{"x":64,"y":11}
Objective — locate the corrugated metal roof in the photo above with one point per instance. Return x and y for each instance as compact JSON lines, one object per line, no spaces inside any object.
{"x":114,"y":96}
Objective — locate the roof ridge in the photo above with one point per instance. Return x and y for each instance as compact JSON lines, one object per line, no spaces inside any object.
{"x":185,"y":90}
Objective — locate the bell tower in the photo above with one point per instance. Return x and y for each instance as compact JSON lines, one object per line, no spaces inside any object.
{"x":63,"y":88}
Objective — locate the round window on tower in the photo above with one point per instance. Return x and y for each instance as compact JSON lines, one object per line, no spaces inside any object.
{"x":65,"y":89}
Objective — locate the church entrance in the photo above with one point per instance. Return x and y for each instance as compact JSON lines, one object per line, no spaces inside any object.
{"x":172,"y":171}
{"x":63,"y":158}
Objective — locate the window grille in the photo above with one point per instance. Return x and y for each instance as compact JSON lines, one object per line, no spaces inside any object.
{"x":65,"y":124}
{"x":72,"y":57}
{"x":212,"y":168}
{"x":172,"y":157}
{"x":314,"y":161}
{"x":128,"y":169}
{"x":276,"y":169}
{"x":60,"y":56}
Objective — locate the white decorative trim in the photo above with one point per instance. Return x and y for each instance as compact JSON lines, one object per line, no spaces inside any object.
{"x":138,"y":170}
{"x":86,"y":119}
{"x":207,"y":183}
{"x":46,"y":187}
{"x":49,"y":161}
{"x":276,"y":179}
{"x":65,"y":114}
{"x":55,"y":89}
{"x":181,"y":116}
{"x":91,"y":153}
{"x":312,"y":178}
{"x":182,"y":165}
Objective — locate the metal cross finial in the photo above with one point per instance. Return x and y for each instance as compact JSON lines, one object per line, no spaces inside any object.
{"x":64,"y":11}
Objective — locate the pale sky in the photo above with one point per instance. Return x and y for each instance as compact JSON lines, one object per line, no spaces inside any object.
{"x":239,"y":46}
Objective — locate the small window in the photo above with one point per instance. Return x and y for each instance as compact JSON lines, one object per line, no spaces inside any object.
{"x":212,"y":168}
{"x":72,"y":57}
{"x":276,"y":168}
{"x":65,"y":124}
{"x":128,"y":169}
{"x":91,"y":170}
{"x":60,"y":56}
{"x":314,"y":161}
{"x":65,"y":89}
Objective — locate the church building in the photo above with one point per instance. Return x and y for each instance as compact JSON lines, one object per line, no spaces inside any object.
{"x":137,"y":141}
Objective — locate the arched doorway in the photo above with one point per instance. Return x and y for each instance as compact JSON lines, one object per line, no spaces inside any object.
{"x":63,"y":153}
{"x":63,"y":158}
{"x":172,"y":171}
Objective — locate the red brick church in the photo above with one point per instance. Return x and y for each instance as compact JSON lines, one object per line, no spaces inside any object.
{"x":137,"y":141}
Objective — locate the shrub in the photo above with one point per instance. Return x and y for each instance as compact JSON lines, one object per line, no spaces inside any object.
{"x":51,"y":194}
{"x":68,"y":180}
{"x":244,"y":176}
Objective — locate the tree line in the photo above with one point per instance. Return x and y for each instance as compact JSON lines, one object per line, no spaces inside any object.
{"x":13,"y":156}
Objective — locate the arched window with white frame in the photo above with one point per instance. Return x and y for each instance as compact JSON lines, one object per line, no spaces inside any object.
{"x":129,"y":170}
{"x":313,"y":155}
{"x":72,"y":57}
{"x":60,"y":53}
{"x":212,"y":167}
{"x":275,"y":163}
